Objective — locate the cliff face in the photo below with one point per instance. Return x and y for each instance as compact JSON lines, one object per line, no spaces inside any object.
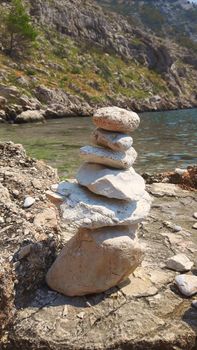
{"x":94,"y":57}
{"x":160,"y":16}
{"x":111,"y":32}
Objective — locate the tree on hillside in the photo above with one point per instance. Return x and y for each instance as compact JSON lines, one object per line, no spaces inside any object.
{"x":19,"y":31}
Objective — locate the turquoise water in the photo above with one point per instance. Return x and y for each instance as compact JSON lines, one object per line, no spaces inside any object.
{"x":164,"y":140}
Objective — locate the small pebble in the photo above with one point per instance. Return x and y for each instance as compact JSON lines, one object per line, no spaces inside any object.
{"x":177,"y":228}
{"x":195,"y":215}
{"x":173,"y":227}
{"x":1,"y":220}
{"x":29,"y":201}
{"x":194,"y":303}
{"x":15,"y":193}
{"x":195,"y":226}
{"x":187,"y":284}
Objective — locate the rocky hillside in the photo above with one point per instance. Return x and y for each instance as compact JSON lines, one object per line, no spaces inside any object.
{"x":84,"y":57}
{"x":161,"y":17}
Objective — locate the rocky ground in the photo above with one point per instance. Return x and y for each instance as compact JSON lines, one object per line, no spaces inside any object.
{"x":147,"y":312}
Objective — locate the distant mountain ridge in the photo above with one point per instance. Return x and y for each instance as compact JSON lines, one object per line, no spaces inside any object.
{"x":176,"y":19}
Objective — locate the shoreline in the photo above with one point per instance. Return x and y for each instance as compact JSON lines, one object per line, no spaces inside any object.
{"x":32,"y":110}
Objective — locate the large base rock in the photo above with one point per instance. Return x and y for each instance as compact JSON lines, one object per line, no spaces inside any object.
{"x":94,"y":261}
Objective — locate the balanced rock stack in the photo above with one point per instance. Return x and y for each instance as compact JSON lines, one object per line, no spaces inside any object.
{"x":106,"y":204}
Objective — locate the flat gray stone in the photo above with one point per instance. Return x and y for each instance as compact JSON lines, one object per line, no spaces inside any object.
{"x":111,"y":183}
{"x":113,"y":140}
{"x":82,"y":208}
{"x":100,"y":155}
{"x":180,"y":263}
{"x":164,"y":189}
{"x":116,"y":119}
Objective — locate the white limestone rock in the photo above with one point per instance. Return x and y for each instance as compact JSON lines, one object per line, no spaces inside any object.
{"x":99,"y":155}
{"x":28,"y":202}
{"x":83,"y":208}
{"x":111,"y":183}
{"x":187,"y":284}
{"x":113,"y":140}
{"x":180,"y":263}
{"x":116,"y":119}
{"x":30,"y":116}
{"x":94,"y":261}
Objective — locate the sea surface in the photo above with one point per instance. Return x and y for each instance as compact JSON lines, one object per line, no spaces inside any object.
{"x":164,"y":141}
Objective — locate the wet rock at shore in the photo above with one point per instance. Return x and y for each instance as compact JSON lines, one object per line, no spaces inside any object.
{"x":30,"y":116}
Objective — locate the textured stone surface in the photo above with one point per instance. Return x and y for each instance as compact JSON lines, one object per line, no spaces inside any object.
{"x":187,"y":284}
{"x":30,"y":116}
{"x":162,"y":189}
{"x":116,"y":119}
{"x":82,"y":208}
{"x":114,"y":140}
{"x":179,"y":262}
{"x":142,"y":317}
{"x":119,"y":160}
{"x":120,"y":184}
{"x":94,"y":261}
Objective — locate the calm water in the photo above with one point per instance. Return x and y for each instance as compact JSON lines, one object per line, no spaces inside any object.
{"x":164,"y":141}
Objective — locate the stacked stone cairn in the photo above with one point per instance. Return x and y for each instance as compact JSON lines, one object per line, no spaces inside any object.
{"x":106,"y":204}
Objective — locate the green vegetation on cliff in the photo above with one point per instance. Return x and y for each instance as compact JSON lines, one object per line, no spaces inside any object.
{"x":95,"y":55}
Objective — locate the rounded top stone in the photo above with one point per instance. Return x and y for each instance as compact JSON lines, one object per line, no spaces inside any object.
{"x":116,"y":119}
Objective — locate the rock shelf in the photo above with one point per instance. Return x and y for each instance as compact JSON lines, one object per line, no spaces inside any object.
{"x":105,"y":206}
{"x":148,"y":313}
